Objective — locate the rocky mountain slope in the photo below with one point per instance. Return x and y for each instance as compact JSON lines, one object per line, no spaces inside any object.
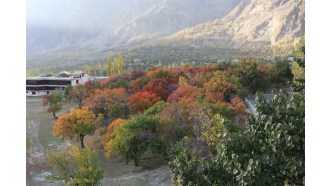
{"x":161,"y":27}
{"x":103,"y":24}
{"x":251,"y":25}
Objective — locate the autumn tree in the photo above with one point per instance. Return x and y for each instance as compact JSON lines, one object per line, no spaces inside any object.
{"x":80,"y":122}
{"x":159,"y":73}
{"x":78,"y":94}
{"x":137,"y":135}
{"x":136,"y":73}
{"x":252,"y":75}
{"x":115,"y":81}
{"x":109,"y":102}
{"x":75,"y":166}
{"x":110,"y":135}
{"x":184,"y":91}
{"x":221,"y":88}
{"x":54,"y":101}
{"x":143,"y":100}
{"x":161,"y":87}
{"x":138,"y":84}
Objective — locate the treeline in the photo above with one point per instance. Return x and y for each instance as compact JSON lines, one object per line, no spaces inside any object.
{"x":195,"y":119}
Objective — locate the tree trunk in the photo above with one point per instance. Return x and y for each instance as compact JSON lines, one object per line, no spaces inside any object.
{"x":136,"y":161}
{"x":54,"y":114}
{"x":82,"y":140}
{"x":80,"y":103}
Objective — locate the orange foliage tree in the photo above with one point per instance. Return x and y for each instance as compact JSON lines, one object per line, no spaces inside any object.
{"x":102,"y":101}
{"x":235,"y":104}
{"x":184,"y":91}
{"x":80,"y":122}
{"x":143,"y":100}
{"x":220,"y":88}
{"x":110,"y":131}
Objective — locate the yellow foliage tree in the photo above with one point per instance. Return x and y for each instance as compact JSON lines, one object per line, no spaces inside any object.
{"x":80,"y":122}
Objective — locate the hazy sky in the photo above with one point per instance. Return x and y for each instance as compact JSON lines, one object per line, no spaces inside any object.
{"x":46,"y":12}
{"x":61,"y":13}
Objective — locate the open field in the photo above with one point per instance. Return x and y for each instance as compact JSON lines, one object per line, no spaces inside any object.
{"x":39,"y":138}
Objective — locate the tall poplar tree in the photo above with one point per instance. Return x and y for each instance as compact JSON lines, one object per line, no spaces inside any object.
{"x":120,"y":63}
{"x":109,"y":66}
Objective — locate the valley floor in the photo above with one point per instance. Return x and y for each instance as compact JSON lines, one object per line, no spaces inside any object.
{"x":39,"y":138}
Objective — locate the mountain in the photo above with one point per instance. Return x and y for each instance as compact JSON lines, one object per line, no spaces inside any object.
{"x":252,"y":24}
{"x":98,"y":25}
{"x":168,"y":16}
{"x":154,"y":30}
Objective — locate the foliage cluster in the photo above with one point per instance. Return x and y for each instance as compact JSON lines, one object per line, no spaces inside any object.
{"x":75,"y":166}
{"x":195,"y":118}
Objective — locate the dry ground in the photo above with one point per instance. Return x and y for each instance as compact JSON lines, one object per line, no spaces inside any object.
{"x":39,"y":138}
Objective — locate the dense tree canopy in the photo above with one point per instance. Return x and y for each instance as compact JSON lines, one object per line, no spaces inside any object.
{"x":254,"y":76}
{"x":109,"y":102}
{"x":194,"y":117}
{"x":143,"y":100}
{"x":133,"y":137}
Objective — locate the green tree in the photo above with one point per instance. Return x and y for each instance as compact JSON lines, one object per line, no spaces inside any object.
{"x":281,"y":72}
{"x":252,"y":75}
{"x":298,"y":68}
{"x":135,"y":137}
{"x":120,"y":63}
{"x":109,"y":66}
{"x":54,"y":101}
{"x":78,"y":94}
{"x":271,"y":151}
{"x":75,"y":166}
{"x":299,"y":50}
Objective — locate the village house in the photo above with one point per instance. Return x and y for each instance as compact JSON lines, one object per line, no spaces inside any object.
{"x":39,"y":86}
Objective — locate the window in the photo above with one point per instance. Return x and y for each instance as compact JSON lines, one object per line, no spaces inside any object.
{"x":34,"y":93}
{"x":27,"y":91}
{"x":77,"y":81}
{"x":47,"y":92}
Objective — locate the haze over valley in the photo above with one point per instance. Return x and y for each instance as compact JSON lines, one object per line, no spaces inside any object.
{"x":68,"y":33}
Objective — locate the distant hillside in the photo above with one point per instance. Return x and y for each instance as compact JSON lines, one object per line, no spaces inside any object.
{"x":253,"y":24}
{"x":99,"y":25}
{"x":167,"y":31}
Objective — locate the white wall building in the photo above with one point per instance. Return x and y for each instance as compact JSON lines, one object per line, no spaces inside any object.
{"x":39,"y":86}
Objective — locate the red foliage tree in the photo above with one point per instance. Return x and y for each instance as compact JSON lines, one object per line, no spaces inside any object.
{"x":236,"y":105}
{"x":136,"y":73}
{"x":161,"y":87}
{"x":138,"y":84}
{"x":101,"y":100}
{"x":184,"y":91}
{"x":143,"y":100}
